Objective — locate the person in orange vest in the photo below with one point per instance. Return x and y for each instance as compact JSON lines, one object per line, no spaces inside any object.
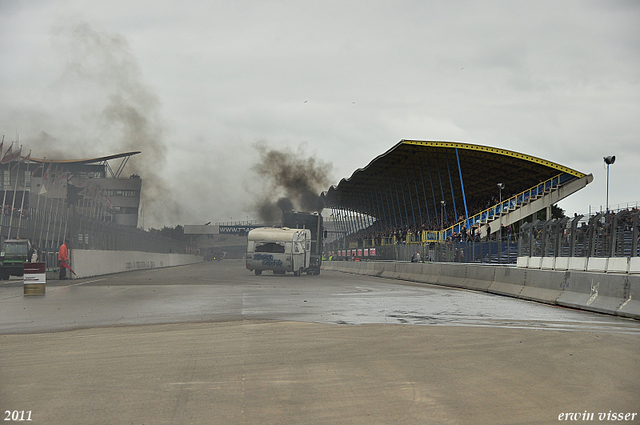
{"x":63,"y":259}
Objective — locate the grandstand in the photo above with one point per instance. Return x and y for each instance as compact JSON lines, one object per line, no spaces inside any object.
{"x":434,"y":191}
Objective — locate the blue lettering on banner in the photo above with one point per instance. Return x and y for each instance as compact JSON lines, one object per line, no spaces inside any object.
{"x":235,"y":229}
{"x":267,"y":260}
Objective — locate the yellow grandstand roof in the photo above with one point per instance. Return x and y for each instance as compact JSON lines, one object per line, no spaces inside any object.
{"x":417,"y":175}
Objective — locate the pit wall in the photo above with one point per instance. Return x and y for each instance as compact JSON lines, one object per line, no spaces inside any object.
{"x":87,"y":263}
{"x":611,"y":293}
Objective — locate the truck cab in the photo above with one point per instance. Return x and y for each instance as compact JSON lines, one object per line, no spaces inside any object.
{"x":13,"y":254}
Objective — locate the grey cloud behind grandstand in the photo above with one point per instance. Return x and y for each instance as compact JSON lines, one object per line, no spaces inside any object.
{"x":195,"y":86}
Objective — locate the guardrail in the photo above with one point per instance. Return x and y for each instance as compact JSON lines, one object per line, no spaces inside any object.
{"x":494,"y":252}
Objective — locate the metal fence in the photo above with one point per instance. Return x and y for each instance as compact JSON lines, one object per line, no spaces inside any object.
{"x":606,"y":234}
{"x":54,"y":221}
{"x":494,"y":252}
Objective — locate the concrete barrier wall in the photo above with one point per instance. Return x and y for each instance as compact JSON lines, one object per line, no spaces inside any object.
{"x":87,"y":263}
{"x":479,"y":277}
{"x":600,"y":292}
{"x":508,"y":281}
{"x":590,"y":264}
{"x":543,"y":285}
{"x":610,"y":293}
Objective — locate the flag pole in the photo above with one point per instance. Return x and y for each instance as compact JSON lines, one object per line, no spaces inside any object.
{"x":4,"y":185}
{"x":24,"y":193}
{"x":57,"y":220}
{"x":46,"y":239}
{"x":15,"y":190}
{"x":36,"y":211}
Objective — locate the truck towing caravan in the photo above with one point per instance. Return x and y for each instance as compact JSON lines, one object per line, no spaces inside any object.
{"x":279,"y":249}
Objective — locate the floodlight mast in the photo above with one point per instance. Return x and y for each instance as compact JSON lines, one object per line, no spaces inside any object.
{"x":501,"y":186}
{"x":608,"y":160}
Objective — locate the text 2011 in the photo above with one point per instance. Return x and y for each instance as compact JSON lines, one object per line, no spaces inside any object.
{"x":17,"y":415}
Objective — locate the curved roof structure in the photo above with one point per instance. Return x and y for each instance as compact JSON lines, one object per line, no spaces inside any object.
{"x":98,"y":164}
{"x":87,"y":160}
{"x":414,"y":177}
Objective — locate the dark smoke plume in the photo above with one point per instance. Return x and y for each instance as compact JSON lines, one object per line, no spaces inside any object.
{"x":293,"y":182}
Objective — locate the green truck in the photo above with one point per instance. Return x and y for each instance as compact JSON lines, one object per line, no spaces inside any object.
{"x":14,"y":253}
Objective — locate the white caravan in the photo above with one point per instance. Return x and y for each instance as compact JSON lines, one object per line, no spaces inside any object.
{"x":280,"y":250}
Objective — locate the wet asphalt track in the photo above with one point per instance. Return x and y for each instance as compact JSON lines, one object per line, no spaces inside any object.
{"x":222,"y":291}
{"x":214,"y":344}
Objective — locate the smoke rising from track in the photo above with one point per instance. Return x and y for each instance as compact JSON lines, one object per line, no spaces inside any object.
{"x":292,"y":181}
{"x":114,"y":112}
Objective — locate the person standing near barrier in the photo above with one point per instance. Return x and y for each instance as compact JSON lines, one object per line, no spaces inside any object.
{"x":63,"y":260}
{"x":34,"y":257}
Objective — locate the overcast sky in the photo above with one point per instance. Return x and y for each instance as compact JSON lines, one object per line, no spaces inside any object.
{"x":195,"y":85}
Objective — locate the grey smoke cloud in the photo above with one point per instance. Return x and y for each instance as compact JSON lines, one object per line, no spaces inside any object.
{"x":113,"y":110}
{"x":293,"y":180}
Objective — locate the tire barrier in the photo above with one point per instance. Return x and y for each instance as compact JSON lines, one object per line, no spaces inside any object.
{"x":610,"y":293}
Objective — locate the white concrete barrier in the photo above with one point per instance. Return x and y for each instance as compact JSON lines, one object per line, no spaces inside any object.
{"x":87,"y":263}
{"x":534,"y":262}
{"x":562,"y":263}
{"x":578,"y":263}
{"x":618,"y":265}
{"x":595,"y":264}
{"x":634,"y":265}
{"x":548,"y":263}
{"x":523,"y":262}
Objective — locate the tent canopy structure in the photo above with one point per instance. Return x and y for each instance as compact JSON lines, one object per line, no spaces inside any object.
{"x":406,"y":186}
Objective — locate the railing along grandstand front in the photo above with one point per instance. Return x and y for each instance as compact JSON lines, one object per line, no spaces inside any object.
{"x":504,"y":207}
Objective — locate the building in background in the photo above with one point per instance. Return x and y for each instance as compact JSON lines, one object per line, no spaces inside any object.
{"x":93,"y":186}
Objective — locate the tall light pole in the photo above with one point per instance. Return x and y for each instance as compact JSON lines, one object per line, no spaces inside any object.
{"x":608,"y":160}
{"x":442,"y":204}
{"x":500,"y":186}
